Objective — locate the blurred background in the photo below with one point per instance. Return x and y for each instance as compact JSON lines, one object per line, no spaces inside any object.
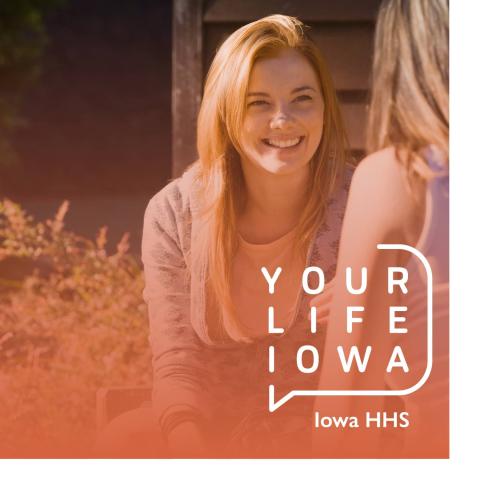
{"x":98,"y":106}
{"x":98,"y":98}
{"x":85,"y":88}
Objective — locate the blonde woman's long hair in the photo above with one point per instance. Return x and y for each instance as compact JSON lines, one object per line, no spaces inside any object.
{"x":409,"y":103}
{"x":220,"y":175}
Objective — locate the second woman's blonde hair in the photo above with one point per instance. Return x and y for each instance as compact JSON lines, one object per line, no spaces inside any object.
{"x":220,"y":122}
{"x":409,"y":104}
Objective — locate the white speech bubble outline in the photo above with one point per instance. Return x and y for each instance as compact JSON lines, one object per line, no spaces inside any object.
{"x":272,"y":405}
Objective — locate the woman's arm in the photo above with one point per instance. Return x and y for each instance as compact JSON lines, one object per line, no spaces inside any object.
{"x":378,"y":210}
{"x":179,"y":369}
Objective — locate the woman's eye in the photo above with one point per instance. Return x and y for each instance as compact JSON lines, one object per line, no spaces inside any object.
{"x":302,"y":98}
{"x":257,"y":103}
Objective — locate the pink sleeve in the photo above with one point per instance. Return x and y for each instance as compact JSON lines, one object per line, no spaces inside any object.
{"x":179,"y":366}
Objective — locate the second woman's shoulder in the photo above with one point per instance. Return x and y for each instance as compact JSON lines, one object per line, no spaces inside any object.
{"x":380,"y":187}
{"x":378,"y":168}
{"x":381,"y":174}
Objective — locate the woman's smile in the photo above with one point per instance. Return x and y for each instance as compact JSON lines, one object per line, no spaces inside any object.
{"x":287,"y":143}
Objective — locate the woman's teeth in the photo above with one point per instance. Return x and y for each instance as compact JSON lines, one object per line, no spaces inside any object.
{"x":283,"y":143}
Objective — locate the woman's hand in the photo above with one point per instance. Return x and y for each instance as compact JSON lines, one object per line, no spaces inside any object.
{"x":323,"y":300}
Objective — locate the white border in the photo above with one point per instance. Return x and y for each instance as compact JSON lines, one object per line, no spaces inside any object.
{"x":464,"y":325}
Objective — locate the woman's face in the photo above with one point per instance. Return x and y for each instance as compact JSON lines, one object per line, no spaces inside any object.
{"x":284,"y":115}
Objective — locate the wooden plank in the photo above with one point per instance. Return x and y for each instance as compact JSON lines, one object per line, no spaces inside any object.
{"x":306,"y":10}
{"x":347,"y":50}
{"x":213,"y":36}
{"x":353,"y":96}
{"x":187,"y":76}
{"x":355,"y":118}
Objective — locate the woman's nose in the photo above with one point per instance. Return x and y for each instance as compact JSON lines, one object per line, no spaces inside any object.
{"x":280,"y":119}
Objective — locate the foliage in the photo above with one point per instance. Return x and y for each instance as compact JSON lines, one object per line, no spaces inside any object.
{"x":74,"y":322}
{"x":23,"y":39}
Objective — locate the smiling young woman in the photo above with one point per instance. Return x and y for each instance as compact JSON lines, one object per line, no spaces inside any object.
{"x":269,"y":189}
{"x":272,"y":149}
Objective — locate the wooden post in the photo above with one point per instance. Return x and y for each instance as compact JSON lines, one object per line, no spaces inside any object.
{"x":187,"y":80}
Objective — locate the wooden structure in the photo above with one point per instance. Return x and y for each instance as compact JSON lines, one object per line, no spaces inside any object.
{"x":343,"y":29}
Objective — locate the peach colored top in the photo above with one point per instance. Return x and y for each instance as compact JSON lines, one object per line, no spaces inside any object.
{"x":250,"y":288}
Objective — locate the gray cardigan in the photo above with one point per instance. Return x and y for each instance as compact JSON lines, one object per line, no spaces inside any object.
{"x":222,"y":386}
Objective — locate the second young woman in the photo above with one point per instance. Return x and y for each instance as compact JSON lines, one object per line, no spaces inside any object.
{"x":399,"y":199}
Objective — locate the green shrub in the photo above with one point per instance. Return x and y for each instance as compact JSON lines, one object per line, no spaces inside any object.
{"x":73,"y":320}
